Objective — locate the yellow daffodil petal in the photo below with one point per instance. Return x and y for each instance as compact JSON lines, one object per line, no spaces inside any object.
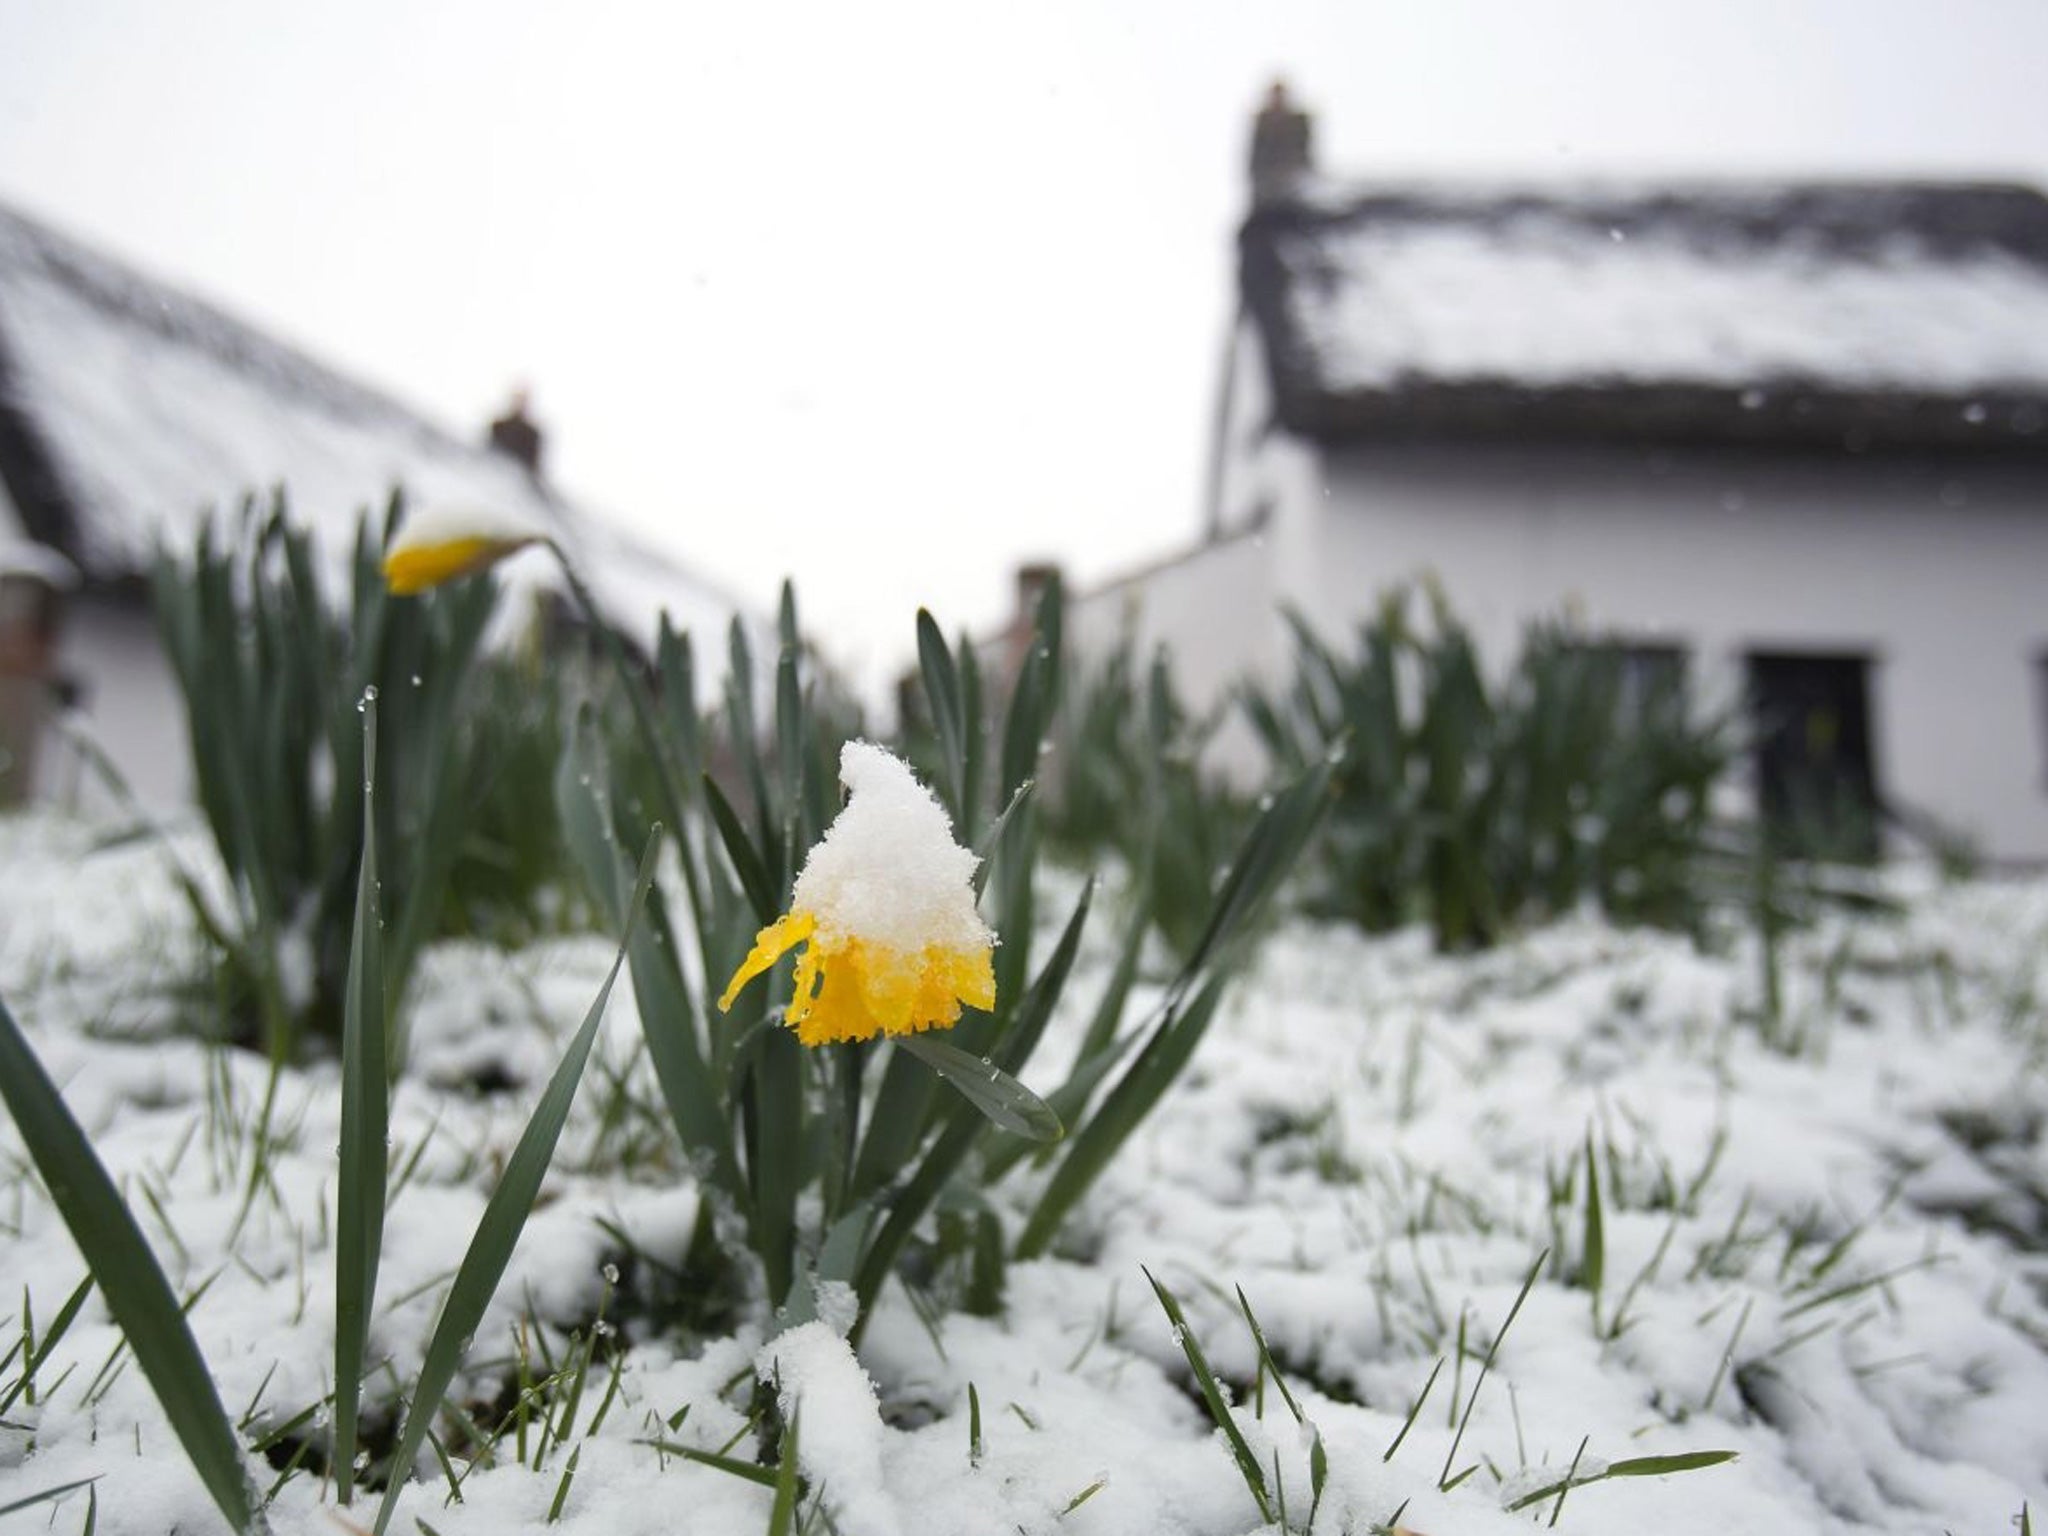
{"x":772,"y":943}
{"x":849,"y":989}
{"x":413,"y":568}
{"x":884,"y":907}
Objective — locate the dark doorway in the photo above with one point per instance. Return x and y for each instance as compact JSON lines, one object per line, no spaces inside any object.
{"x":1811,"y":715}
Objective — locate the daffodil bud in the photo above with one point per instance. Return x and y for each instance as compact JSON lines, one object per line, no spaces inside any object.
{"x":438,"y":544}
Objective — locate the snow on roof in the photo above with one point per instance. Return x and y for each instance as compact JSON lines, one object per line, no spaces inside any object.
{"x":1548,"y":301}
{"x":1877,"y":294}
{"x":25,"y":557}
{"x":145,"y":410}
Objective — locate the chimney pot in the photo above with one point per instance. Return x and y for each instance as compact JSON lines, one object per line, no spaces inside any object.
{"x":515,"y":435}
{"x":1283,"y":146}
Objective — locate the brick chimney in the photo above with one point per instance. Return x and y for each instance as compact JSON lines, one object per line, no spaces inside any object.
{"x":1283,"y":147}
{"x":33,"y":583}
{"x":514,"y":434}
{"x":1032,"y":581}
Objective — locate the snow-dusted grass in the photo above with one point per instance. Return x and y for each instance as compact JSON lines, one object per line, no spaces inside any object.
{"x":1831,"y":1260}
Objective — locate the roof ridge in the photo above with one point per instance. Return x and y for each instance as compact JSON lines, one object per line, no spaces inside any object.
{"x":1873,"y":314}
{"x":128,"y":293}
{"x":1841,"y":215}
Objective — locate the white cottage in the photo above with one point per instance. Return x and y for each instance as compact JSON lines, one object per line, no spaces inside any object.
{"x":129,"y":412}
{"x":1795,"y":435}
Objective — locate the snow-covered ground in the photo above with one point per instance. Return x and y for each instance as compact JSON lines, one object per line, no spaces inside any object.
{"x":1827,"y":1253}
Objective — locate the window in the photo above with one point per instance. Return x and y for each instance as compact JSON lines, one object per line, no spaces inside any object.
{"x":1810,"y":720}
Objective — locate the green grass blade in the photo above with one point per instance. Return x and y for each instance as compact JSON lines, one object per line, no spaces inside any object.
{"x":1268,"y":852}
{"x":782,"y":1516}
{"x":1013,"y":912}
{"x":136,"y":1292}
{"x":1486,"y":1365}
{"x":47,"y":1495}
{"x":1266,"y":1360}
{"x":747,"y":1471}
{"x":1212,"y":1395}
{"x":497,"y":1232}
{"x":746,"y":860}
{"x":1664,"y":1466}
{"x":59,"y":1326}
{"x":942,"y":693}
{"x":1593,"y":1268}
{"x":901,"y":1117}
{"x":668,"y":1020}
{"x":365,"y":1113}
{"x":1124,"y":1109}
{"x":562,"y":1488}
{"x":635,"y":687}
{"x":1100,"y":1052}
{"x":903,"y":1109}
{"x":1025,"y":1024}
{"x":1109,"y":1010}
{"x":838,"y":1259}
{"x":1024,"y":728}
{"x":582,"y":805}
{"x":677,"y":673}
{"x":974,"y":754}
{"x":1570,"y":1476}
{"x":771,"y":1091}
{"x":1318,"y":1476}
{"x":676,"y":663}
{"x":996,"y":842}
{"x":791,"y":731}
{"x":988,"y":1088}
{"x":1636,"y":1466}
{"x":1415,"y":1409}
{"x":668,"y":1010}
{"x":744,"y":734}
{"x":941,"y":1161}
{"x":1084,"y":1496}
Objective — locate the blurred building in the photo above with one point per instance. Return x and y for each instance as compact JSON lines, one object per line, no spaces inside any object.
{"x":131,"y":413}
{"x":1793,"y":437}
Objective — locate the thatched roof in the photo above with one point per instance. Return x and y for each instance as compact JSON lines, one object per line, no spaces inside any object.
{"x":1858,"y":316}
{"x":130,"y":411}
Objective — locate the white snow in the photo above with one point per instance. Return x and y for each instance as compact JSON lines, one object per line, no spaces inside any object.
{"x":25,"y":557}
{"x":820,"y":1387}
{"x":1547,"y":300}
{"x":1823,"y":1254}
{"x":887,"y":870}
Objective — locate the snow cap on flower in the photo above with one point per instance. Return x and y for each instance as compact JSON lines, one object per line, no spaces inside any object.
{"x":439,"y":543}
{"x":888,"y":870}
{"x":886,"y":903}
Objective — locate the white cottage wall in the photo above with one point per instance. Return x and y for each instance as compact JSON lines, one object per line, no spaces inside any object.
{"x":129,"y":706}
{"x":1936,"y":571}
{"x":1213,"y":611}
{"x":1268,"y":482}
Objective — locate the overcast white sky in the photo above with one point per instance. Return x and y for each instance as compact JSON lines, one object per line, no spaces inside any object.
{"x":889,"y":295}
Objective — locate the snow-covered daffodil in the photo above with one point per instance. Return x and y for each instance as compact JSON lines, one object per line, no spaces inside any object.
{"x":884,"y":908}
{"x":438,"y":544}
